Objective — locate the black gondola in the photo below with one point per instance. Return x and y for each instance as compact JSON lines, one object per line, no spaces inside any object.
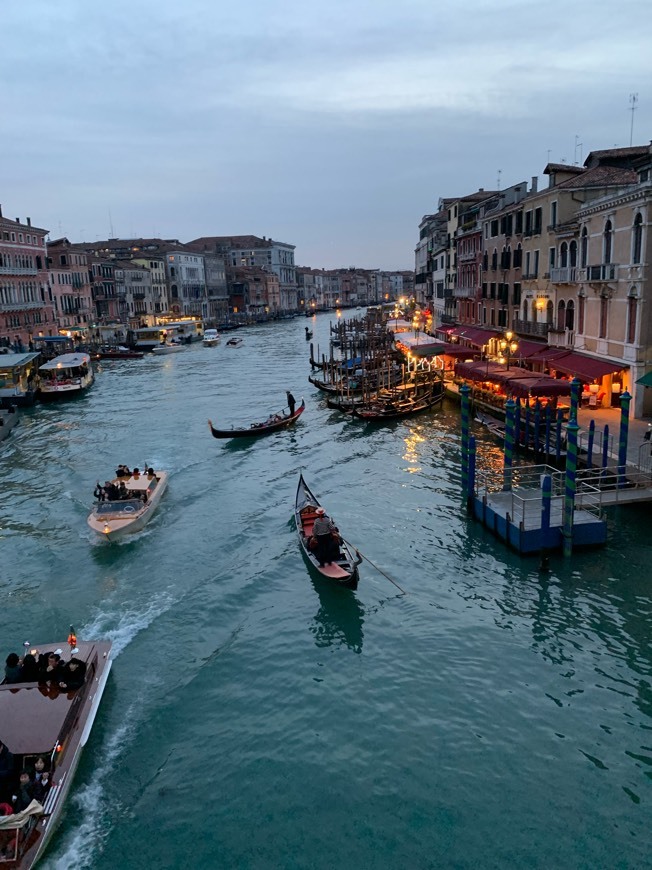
{"x":394,"y":410}
{"x":343,"y":571}
{"x":272,"y":424}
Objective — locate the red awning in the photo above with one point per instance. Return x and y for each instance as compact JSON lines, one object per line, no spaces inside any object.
{"x":474,"y":335}
{"x":481,"y":371}
{"x":460,"y":352}
{"x":548,"y":353}
{"x":527,"y":348}
{"x":586,"y":368}
{"x":538,"y":386}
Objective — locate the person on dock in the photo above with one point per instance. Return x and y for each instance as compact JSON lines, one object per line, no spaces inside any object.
{"x":291,"y":402}
{"x":325,"y":535}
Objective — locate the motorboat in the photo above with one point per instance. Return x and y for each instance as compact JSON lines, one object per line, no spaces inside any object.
{"x":112,"y":517}
{"x":234,"y":342}
{"x":211,"y":338}
{"x":167,"y":347}
{"x":51,"y":721}
{"x":70,"y":374}
{"x":119,"y":352}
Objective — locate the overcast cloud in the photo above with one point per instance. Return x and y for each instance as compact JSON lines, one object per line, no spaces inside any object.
{"x":333,"y":126}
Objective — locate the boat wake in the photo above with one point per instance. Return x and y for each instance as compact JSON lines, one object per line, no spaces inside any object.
{"x":130,"y":624}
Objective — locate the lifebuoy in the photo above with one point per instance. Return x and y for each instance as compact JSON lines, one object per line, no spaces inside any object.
{"x":129,"y":509}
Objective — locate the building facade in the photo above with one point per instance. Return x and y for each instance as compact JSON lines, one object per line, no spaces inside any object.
{"x":71,"y":288}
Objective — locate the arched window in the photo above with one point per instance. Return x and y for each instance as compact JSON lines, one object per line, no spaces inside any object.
{"x":584,"y":248}
{"x":518,"y":257}
{"x":632,"y":311}
{"x":563,"y":255}
{"x":607,"y":239}
{"x":550,"y":312}
{"x":561,"y":314}
{"x":570,"y":315}
{"x":485,"y":261}
{"x":637,"y":238}
{"x":573,"y":254}
{"x":494,"y":260}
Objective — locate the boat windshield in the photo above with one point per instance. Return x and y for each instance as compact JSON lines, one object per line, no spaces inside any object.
{"x":126,"y":507}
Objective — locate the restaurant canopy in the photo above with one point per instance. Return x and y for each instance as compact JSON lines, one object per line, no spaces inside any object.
{"x":586,"y":368}
{"x":538,"y":386}
{"x":473,"y":334}
{"x":520,"y":382}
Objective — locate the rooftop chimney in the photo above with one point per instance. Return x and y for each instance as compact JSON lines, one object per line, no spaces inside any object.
{"x":481,"y":190}
{"x":29,"y":221}
{"x":0,"y":211}
{"x":535,"y":183}
{"x":17,"y":220}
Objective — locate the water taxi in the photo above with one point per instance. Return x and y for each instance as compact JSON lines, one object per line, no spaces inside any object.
{"x":211,"y":338}
{"x":67,"y":375}
{"x":234,"y":342}
{"x":187,"y":330}
{"x":44,"y":725}
{"x":115,"y":515}
{"x":19,"y":378}
{"x":167,"y":347}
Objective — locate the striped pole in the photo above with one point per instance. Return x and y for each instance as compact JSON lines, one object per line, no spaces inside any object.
{"x":625,"y":399}
{"x":570,"y":484}
{"x":605,"y":447}
{"x":546,"y":504}
{"x":560,"y":419}
{"x":464,"y":393}
{"x":589,"y":449}
{"x":548,"y":424}
{"x":537,"y":428}
{"x":510,"y":407}
{"x":576,"y":386}
{"x":526,"y":441}
{"x":472,"y":454}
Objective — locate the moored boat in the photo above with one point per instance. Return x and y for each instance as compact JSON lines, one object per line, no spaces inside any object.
{"x":70,"y":374}
{"x":234,"y":342}
{"x":272,"y":424}
{"x":211,"y":338}
{"x":167,"y":347}
{"x":19,"y":378}
{"x":115,"y":514}
{"x":342,"y":570}
{"x":119,"y":352}
{"x":48,"y":719}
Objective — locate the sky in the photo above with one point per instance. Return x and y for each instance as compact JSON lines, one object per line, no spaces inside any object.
{"x":333,"y":126}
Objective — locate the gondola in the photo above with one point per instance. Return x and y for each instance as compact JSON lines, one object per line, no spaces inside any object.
{"x":344,"y":570}
{"x":395,"y":410}
{"x":272,"y":424}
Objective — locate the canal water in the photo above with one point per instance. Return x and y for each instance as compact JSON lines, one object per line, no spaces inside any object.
{"x":254,"y":717}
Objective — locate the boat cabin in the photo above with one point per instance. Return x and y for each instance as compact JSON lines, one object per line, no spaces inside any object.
{"x":149,"y":337}
{"x":186,"y":330}
{"x":19,"y":378}
{"x":66,"y":374}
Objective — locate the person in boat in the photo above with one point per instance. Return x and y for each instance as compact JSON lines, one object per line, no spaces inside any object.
{"x":39,"y":769}
{"x":136,"y":473}
{"x":6,"y":769}
{"x":50,"y":666}
{"x":324,"y":531}
{"x":41,"y":786}
{"x":123,"y":471}
{"x":73,"y":675}
{"x":24,"y":793}
{"x":29,"y":670}
{"x":123,"y":492}
{"x":99,"y":492}
{"x":112,"y":492}
{"x":12,"y":668}
{"x":291,"y":402}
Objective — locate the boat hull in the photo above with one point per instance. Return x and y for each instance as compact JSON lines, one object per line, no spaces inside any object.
{"x":163,"y":349}
{"x":121,"y":522}
{"x":255,"y":431}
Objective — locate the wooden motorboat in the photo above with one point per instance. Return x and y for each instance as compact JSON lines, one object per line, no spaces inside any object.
{"x":344,"y":570}
{"x":211,"y":338}
{"x":119,"y":352}
{"x":234,"y":342}
{"x":47,"y":720}
{"x":67,"y":375}
{"x":113,"y":518}
{"x":167,"y":347}
{"x":272,"y":424}
{"x":8,"y":420}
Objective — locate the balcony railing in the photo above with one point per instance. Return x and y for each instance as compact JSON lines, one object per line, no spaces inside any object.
{"x":18,"y":270}
{"x":602,"y":272}
{"x":529,"y":327}
{"x":564,"y":275}
{"x":20,"y":306}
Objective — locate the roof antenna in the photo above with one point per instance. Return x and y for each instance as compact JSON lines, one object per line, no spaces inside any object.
{"x":111,"y":236}
{"x":500,"y":172}
{"x":578,"y":144}
{"x":633,"y":100}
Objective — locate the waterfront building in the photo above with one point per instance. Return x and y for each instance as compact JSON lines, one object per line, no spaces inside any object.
{"x":26,"y":307}
{"x":186,"y":280}
{"x":252,"y":251}
{"x":155,"y":264}
{"x":71,"y":288}
{"x":109,"y":307}
{"x":134,"y":285}
{"x":255,"y":291}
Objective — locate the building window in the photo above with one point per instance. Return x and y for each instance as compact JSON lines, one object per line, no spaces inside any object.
{"x":570,"y":315}
{"x":561,"y":314}
{"x":637,"y":239}
{"x":604,"y":311}
{"x":607,"y":242}
{"x":552,"y":253}
{"x":553,"y":214}
{"x":632,"y":308}
{"x":538,"y":221}
{"x":563,"y":255}
{"x":580,"y":314}
{"x":584,"y":249}
{"x":573,"y":254}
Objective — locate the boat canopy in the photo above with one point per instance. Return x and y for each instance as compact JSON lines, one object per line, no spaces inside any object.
{"x":31,"y":719}
{"x":66,"y":361}
{"x":15,"y":360}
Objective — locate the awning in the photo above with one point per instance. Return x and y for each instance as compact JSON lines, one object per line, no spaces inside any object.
{"x":476,"y":336}
{"x":422,"y":350}
{"x":459,"y":352}
{"x":527,"y":348}
{"x":586,"y":368}
{"x":481,"y":371}
{"x":645,"y":381}
{"x":444,"y":330}
{"x":538,"y":386}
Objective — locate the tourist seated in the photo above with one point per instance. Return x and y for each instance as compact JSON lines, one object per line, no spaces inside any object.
{"x":24,"y":794}
{"x":144,"y":496}
{"x":123,"y":492}
{"x":12,"y":669}
{"x":136,"y":473}
{"x":41,"y":786}
{"x":111,"y":491}
{"x":123,"y":471}
{"x":29,"y":670}
{"x":50,"y":666}
{"x":99,"y":492}
{"x":39,"y":768}
{"x":73,"y":675}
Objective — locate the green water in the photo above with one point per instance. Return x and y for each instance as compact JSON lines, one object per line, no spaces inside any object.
{"x":492,"y":717}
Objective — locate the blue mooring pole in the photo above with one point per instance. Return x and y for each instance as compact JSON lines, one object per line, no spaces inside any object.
{"x":605,"y":447}
{"x":560,"y":419}
{"x":517,"y":422}
{"x":546,"y":503}
{"x":589,"y":449}
{"x":464,"y":394}
{"x":570,"y":485}
{"x":548,"y":424}
{"x":510,"y":407}
{"x":471,"y":490}
{"x":537,"y":428}
{"x":625,"y":399}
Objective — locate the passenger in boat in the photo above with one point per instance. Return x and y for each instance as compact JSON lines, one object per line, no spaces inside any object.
{"x":39,"y":769}
{"x":41,"y":786}
{"x":136,"y":473}
{"x":291,"y":402}
{"x":151,"y":474}
{"x":24,"y":793}
{"x":111,"y":491}
{"x":50,"y":666}
{"x":123,"y":471}
{"x":6,"y":769}
{"x":29,"y":672}
{"x":123,"y":492}
{"x":322,"y":531}
{"x":98,"y":492}
{"x":73,"y":675}
{"x":12,"y":669}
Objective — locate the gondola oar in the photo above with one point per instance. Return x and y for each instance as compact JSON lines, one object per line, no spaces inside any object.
{"x":373,"y":565}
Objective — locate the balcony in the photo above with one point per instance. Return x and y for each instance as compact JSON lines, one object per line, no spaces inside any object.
{"x":469,"y":257}
{"x":138,"y":295}
{"x":20,"y":306}
{"x":465,"y":292}
{"x":597,"y":274}
{"x":564,"y":275}
{"x":18,"y":270}
{"x":529,"y":327}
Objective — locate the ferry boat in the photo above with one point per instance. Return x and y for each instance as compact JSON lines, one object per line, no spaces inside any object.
{"x":114,"y":517}
{"x":211,"y":338}
{"x":67,"y":375}
{"x":186,"y":330}
{"x":52,"y":722}
{"x":149,"y":337}
{"x":19,"y":378}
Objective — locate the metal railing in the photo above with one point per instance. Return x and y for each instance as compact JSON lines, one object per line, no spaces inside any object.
{"x":564,"y":275}
{"x":602,"y":272}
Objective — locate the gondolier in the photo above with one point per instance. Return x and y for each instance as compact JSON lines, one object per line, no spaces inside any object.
{"x":323,"y":532}
{"x":291,"y":402}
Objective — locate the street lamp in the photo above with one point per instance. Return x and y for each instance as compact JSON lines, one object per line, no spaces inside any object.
{"x":508,"y":345}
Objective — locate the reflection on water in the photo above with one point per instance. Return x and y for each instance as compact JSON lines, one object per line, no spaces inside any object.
{"x":340,"y":617}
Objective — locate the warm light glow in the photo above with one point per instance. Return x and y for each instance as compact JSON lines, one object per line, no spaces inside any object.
{"x":509,"y":335}
{"x":106,"y":529}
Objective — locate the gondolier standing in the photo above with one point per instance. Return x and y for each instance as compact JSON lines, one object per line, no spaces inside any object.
{"x":324,"y":530}
{"x":291,"y":402}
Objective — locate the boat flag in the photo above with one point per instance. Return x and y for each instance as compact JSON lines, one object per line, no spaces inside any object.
{"x":72,"y":638}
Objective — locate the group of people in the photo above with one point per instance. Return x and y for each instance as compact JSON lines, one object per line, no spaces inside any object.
{"x":45,"y":668}
{"x":20,"y":786}
{"x":112,"y":491}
